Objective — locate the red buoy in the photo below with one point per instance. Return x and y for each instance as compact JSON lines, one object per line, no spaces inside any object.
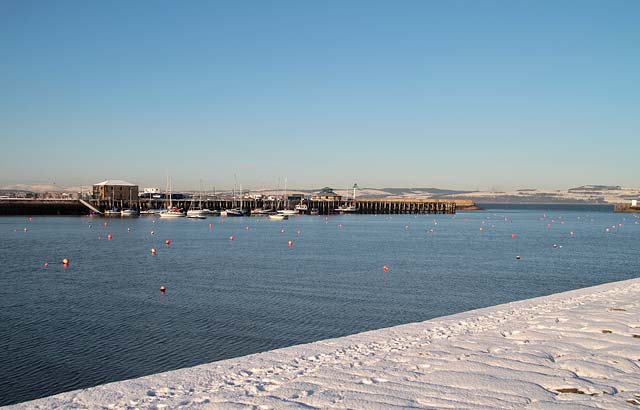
{"x":247,"y":228}
{"x":109,"y":237}
{"x":65,"y":261}
{"x":163,"y":289}
{"x":231,"y":238}
{"x":210,"y":226}
{"x":385,"y":268}
{"x":30,"y":219}
{"x":46,"y":264}
{"x":167,"y":242}
{"x":153,"y":251}
{"x":513,"y":236}
{"x":290,"y":243}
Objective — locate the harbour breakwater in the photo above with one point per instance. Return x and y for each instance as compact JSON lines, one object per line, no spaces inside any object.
{"x":626,"y":208}
{"x":322,"y":207}
{"x":42,"y":207}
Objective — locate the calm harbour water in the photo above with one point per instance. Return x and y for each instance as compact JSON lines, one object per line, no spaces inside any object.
{"x":103,"y":318}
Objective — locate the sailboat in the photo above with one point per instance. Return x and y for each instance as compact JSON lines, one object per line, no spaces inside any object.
{"x":129,"y":211}
{"x":197,"y":212}
{"x":286,"y":210}
{"x":113,"y":211}
{"x":171,"y":211}
{"x":346,"y":209}
{"x":235,"y":211}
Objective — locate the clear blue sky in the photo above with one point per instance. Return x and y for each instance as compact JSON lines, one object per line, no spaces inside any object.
{"x":452,"y":94}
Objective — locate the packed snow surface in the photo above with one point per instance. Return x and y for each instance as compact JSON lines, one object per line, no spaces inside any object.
{"x":573,"y":350}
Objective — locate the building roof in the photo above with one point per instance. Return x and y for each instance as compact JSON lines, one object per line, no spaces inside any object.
{"x":326,"y":191}
{"x":116,"y":182}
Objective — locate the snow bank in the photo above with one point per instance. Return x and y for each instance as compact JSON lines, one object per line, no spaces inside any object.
{"x":574,"y":350}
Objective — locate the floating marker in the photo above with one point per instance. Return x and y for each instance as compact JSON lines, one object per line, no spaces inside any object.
{"x":246,"y":228}
{"x":385,"y":268}
{"x":210,"y":226}
{"x":128,"y":229}
{"x":46,"y":264}
{"x":163,"y":289}
{"x":231,"y":238}
{"x":518,"y":257}
{"x":109,"y":237}
{"x":167,"y":242}
{"x":153,"y":251}
{"x":25,"y":229}
{"x":571,"y":233}
{"x":513,"y":236}
{"x":290,"y":243}
{"x":65,"y":261}
{"x":30,"y":219}
{"x":152,"y":232}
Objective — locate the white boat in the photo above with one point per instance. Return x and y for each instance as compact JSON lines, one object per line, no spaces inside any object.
{"x":223,"y":213}
{"x":346,"y":209}
{"x":112,"y":212}
{"x":287,"y":212}
{"x":212,"y":212}
{"x":235,"y":212}
{"x":128,"y":212}
{"x":278,"y":217}
{"x":301,"y":208}
{"x":150,"y":212}
{"x":196,"y":213}
{"x":171,"y":211}
{"x":315,"y":211}
{"x":196,"y":216}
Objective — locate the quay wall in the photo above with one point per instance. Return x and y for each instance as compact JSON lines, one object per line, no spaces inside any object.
{"x":42,"y":207}
{"x":365,"y":206}
{"x":626,"y":208}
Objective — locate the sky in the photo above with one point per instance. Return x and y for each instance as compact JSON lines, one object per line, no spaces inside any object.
{"x":456,"y":94}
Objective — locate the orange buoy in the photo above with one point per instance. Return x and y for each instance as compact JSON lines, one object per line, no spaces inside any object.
{"x":513,"y":236}
{"x":385,"y":268}
{"x":163,"y":289}
{"x":290,"y":243}
{"x":65,"y":261}
{"x":153,"y":251}
{"x":231,"y":238}
{"x":167,"y":242}
{"x":109,"y":237}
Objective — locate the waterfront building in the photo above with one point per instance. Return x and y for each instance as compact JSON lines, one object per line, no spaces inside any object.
{"x":326,"y":194}
{"x":115,"y":190}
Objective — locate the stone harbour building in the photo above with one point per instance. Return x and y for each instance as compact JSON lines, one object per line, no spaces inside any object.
{"x":115,"y":190}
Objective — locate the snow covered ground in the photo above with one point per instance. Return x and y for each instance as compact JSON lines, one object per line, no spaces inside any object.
{"x":574,"y":350}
